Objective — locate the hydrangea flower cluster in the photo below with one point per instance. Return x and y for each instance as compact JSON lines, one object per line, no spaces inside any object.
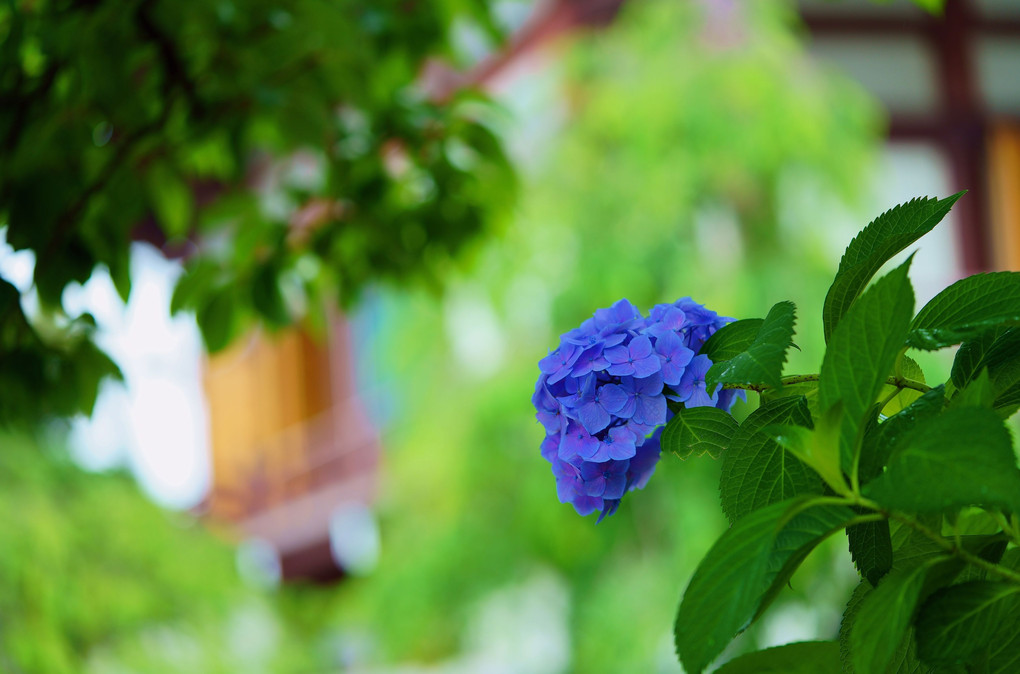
{"x":601,"y":396}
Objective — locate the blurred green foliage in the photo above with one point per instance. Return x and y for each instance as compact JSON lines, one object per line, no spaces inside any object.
{"x":292,"y":142}
{"x":87,"y":560}
{"x":682,"y":168}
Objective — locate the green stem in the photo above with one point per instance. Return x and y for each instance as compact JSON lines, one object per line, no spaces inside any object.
{"x":1008,"y":525}
{"x":898,"y":382}
{"x":952,"y":548}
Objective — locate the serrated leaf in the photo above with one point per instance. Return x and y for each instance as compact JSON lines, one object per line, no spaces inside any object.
{"x":877,"y":243}
{"x":958,"y":621}
{"x":977,"y":393}
{"x":999,"y":353}
{"x":903,"y":661}
{"x":883,"y":617}
{"x":728,"y":585}
{"x":818,"y":449}
{"x":967,"y":309}
{"x":793,"y":545}
{"x":881,"y":438}
{"x":1004,"y":651}
{"x":962,"y":457}
{"x":862,"y":352}
{"x":871,"y":549}
{"x":1006,"y":386}
{"x":698,"y":430}
{"x":972,"y":356}
{"x":912,"y":548}
{"x":805,"y":657}
{"x":731,"y":340}
{"x":762,"y":361}
{"x":756,"y":471}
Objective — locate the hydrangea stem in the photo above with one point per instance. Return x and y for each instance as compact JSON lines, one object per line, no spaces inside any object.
{"x":898,"y":382}
{"x":952,"y":548}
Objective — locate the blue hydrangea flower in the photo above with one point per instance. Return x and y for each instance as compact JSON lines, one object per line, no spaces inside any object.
{"x":692,"y":390}
{"x":601,"y":396}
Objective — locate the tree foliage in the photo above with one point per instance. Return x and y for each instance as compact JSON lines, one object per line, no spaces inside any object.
{"x":292,"y":143}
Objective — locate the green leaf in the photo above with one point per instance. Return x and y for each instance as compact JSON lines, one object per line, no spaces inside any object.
{"x":979,"y":392}
{"x":120,"y":273}
{"x":699,"y":430}
{"x":729,"y":584}
{"x":731,"y":340}
{"x":756,"y":471}
{"x":818,"y":449}
{"x":904,"y":659}
{"x":912,"y":548}
{"x":805,"y":657}
{"x":882,"y":619}
{"x":266,"y":295}
{"x":194,"y":286}
{"x":1004,"y":651}
{"x":807,"y":389}
{"x":762,"y":361}
{"x":171,"y":200}
{"x":880,"y":438}
{"x":218,"y":320}
{"x":967,"y":309}
{"x":958,"y":621}
{"x":933,"y":6}
{"x":862,"y":352}
{"x":962,"y":457}
{"x":999,"y":353}
{"x":877,"y":243}
{"x":975,"y":355}
{"x":793,"y":545}
{"x":871,"y":549}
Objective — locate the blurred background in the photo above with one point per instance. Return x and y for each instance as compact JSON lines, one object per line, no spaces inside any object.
{"x":274,"y":281}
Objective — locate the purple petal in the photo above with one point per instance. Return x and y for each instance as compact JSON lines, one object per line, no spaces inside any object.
{"x":700,"y":398}
{"x":577,"y":442}
{"x":647,"y":366}
{"x":593,"y":417}
{"x":608,"y":509}
{"x":699,"y":366}
{"x":649,"y":386}
{"x":650,"y":410}
{"x":551,"y":421}
{"x":621,"y":370}
{"x":640,"y":347}
{"x":612,"y":398}
{"x":586,"y":505}
{"x":617,"y":354}
{"x":550,"y":446}
{"x":613,"y":487}
{"x":614,"y":339}
{"x":596,"y":486}
{"x":620,"y":443}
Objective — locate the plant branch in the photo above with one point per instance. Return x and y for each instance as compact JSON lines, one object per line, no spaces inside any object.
{"x":952,"y":548}
{"x":899,"y":382}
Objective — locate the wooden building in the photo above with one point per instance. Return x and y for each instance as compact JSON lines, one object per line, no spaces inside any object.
{"x":291,"y":444}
